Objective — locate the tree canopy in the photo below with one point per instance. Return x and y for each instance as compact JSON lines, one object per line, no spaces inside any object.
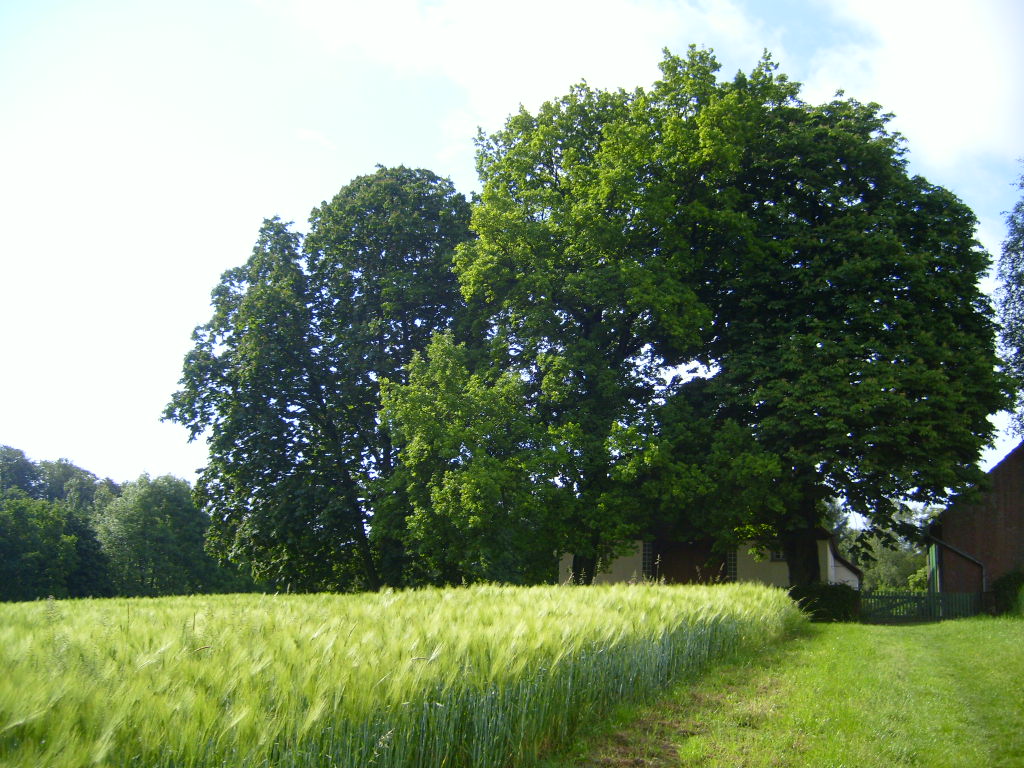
{"x":48,"y":541}
{"x":701,"y":309}
{"x":582,"y":310}
{"x":475,"y":471}
{"x":1010,"y":271}
{"x":66,"y":533}
{"x":850,"y":342}
{"x":153,"y":535}
{"x":732,"y":305}
{"x":284,"y":380}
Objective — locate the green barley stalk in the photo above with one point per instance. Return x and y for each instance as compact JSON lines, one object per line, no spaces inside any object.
{"x":482,"y":676}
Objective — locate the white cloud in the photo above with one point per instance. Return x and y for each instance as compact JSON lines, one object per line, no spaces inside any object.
{"x":499,"y":56}
{"x":950,"y":71}
{"x":315,"y":137}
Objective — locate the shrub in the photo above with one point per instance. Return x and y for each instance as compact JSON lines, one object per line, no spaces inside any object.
{"x":918,"y":580}
{"x":1008,"y":592}
{"x":827,"y":602}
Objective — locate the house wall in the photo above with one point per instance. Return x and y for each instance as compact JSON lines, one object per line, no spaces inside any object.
{"x":839,"y":573}
{"x":991,"y":529}
{"x":689,"y":563}
{"x":750,"y":568}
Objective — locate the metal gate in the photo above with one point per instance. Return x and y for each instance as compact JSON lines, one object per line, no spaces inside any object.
{"x":886,"y":606}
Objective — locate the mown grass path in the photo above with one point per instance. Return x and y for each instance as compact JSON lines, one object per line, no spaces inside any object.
{"x":842,"y":695}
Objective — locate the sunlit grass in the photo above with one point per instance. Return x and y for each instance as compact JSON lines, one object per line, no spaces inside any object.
{"x":477,"y":677}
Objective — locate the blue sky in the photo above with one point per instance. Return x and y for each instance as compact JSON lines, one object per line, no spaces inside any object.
{"x":142,"y":143}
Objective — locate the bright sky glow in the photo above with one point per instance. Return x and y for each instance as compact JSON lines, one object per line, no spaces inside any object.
{"x":142,"y":143}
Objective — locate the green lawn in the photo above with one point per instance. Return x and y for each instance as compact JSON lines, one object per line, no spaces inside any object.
{"x":929,"y":695}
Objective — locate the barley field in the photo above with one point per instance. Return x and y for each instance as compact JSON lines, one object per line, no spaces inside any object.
{"x":476,"y":677}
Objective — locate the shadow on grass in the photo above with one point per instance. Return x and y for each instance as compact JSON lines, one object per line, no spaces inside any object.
{"x":647,"y":736}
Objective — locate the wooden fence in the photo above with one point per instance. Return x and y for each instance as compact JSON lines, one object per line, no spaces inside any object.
{"x":917,"y":606}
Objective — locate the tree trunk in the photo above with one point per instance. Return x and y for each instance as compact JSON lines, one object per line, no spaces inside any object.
{"x":373,"y":583}
{"x":392,"y":557}
{"x":801,"y":550}
{"x":583,"y":569}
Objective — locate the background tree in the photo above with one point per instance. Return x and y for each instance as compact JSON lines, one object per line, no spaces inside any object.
{"x":18,"y":471}
{"x":90,"y":575}
{"x":36,"y":554}
{"x":153,"y":536}
{"x":51,"y":545}
{"x":892,"y":567}
{"x":887,"y":562}
{"x":63,"y":481}
{"x":285,"y":379}
{"x":1010,"y":298}
{"x":76,"y":491}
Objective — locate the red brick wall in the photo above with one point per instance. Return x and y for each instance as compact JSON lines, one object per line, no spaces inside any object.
{"x":991,"y":529}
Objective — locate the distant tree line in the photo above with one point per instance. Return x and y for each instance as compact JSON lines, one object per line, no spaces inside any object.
{"x":66,"y":533}
{"x":704,"y":308}
{"x":886,"y":560}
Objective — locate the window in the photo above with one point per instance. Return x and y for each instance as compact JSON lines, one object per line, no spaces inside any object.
{"x":730,"y":565}
{"x":647,"y":560}
{"x":777,"y":556}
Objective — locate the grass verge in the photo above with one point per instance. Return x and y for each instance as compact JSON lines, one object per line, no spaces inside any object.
{"x":839,"y":695}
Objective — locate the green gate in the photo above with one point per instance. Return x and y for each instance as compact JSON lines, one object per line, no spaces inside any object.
{"x":886,"y":606}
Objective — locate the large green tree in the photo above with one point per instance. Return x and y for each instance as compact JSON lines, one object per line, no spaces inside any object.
{"x":284,"y":380}
{"x":580,"y":307}
{"x":850,"y":345}
{"x":727,"y":306}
